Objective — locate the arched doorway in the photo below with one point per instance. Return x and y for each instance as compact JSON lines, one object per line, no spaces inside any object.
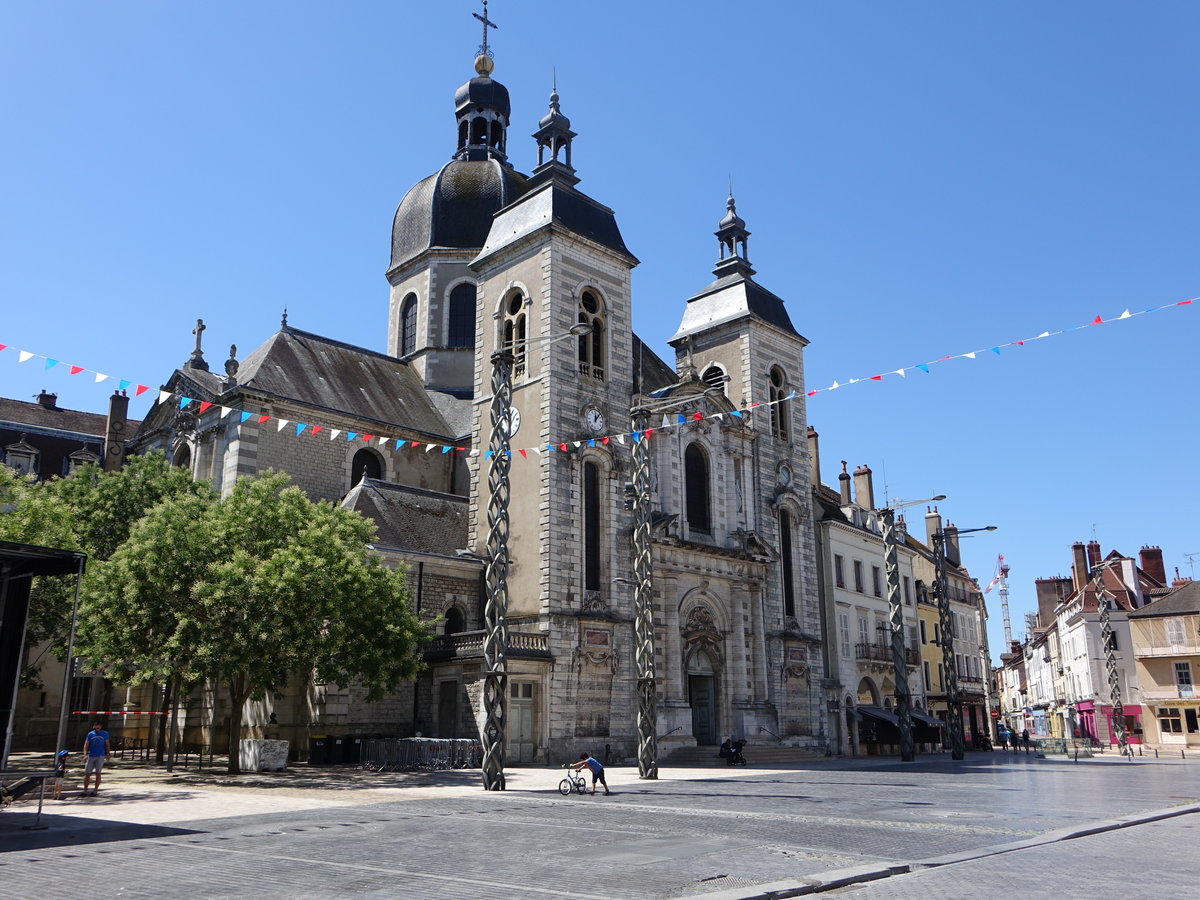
{"x":868,"y":693}
{"x":702,"y":692}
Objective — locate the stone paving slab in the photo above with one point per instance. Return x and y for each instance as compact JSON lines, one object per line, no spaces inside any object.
{"x":697,"y":832}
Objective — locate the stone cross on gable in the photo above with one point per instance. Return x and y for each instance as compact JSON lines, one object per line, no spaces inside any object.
{"x":196,"y":361}
{"x":487,"y":23}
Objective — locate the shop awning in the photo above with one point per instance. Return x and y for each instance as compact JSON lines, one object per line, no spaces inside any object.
{"x":926,"y":719}
{"x":882,"y":715}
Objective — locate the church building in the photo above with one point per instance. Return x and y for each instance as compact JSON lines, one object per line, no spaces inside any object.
{"x":485,"y":257}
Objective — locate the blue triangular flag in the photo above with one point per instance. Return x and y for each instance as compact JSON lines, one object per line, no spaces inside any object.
{"x":351,"y":435}
{"x":300,"y":426}
{"x":51,"y":363}
{"x":184,"y":401}
{"x":400,"y":444}
{"x":245,"y":415}
{"x":924,"y":368}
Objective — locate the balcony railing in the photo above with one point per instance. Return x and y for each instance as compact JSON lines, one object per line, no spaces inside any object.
{"x":469,"y":645}
{"x":883,"y":653}
{"x":1179,"y":692}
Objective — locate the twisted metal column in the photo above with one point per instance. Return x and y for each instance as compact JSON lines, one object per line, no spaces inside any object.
{"x":1114,"y":675}
{"x":495,"y":642}
{"x":954,"y":705}
{"x":643,"y":628}
{"x":891,"y":566}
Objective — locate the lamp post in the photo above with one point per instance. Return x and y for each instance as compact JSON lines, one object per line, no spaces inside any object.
{"x":643,"y":623}
{"x":891,"y":567}
{"x":954,"y":716}
{"x":495,"y":611}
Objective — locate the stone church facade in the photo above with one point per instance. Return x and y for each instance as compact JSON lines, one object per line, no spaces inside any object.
{"x":484,"y":257}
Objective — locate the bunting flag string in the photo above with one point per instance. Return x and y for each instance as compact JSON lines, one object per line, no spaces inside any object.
{"x":680,"y":419}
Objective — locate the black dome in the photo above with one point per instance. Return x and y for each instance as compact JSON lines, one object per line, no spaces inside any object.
{"x":483,"y":91}
{"x":453,"y":208}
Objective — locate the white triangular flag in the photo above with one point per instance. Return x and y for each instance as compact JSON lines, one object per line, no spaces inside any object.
{"x":100,"y":376}
{"x":164,"y":396}
{"x":900,"y":372}
{"x":24,"y":356}
{"x":428,"y":447}
{"x":334,"y":433}
{"x":226,"y":410}
{"x":383,"y":440}
{"x":282,"y":424}
{"x":1043,"y":334}
{"x":970,"y":355}
{"x":834,"y":386}
{"x":1125,"y":315}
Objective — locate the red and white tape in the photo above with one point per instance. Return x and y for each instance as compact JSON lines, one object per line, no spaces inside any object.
{"x":115,"y":712}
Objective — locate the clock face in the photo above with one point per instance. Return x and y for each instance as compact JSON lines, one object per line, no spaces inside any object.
{"x":594,"y":420}
{"x":785,"y":476}
{"x":514,"y":422}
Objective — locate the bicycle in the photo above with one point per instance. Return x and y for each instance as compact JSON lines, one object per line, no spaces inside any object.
{"x":573,"y":782}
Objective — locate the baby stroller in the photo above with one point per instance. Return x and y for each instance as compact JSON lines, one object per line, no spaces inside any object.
{"x":731,"y":752}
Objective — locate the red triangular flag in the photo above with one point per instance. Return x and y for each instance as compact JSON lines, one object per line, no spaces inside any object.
{"x":262,"y":418}
{"x":562,"y":447}
{"x":2,"y":346}
{"x":697,"y":417}
{"x":416,"y":443}
{"x":877,"y":378}
{"x":1098,"y":321}
{"x":317,"y":429}
{"x":604,"y":440}
{"x":1019,"y":343}
{"x":204,"y":406}
{"x":811,"y":393}
{"x":649,"y":431}
{"x":368,"y":438}
{"x":464,"y":449}
{"x":1180,"y":303}
{"x":524,"y":455}
{"x":141,"y":389}
{"x":75,"y":370}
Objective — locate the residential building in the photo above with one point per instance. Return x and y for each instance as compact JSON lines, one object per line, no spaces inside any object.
{"x":1166,"y":648}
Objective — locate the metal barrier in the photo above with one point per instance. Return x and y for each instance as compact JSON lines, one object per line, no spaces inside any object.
{"x":410,"y":754}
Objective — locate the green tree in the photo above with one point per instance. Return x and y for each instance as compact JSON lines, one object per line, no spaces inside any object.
{"x":89,"y":510}
{"x":248,"y":590}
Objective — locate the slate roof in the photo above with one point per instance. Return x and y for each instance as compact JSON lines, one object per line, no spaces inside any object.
{"x":554,"y":204}
{"x":650,"y":372}
{"x":323,"y":373}
{"x":453,"y":207}
{"x":20,"y":414}
{"x":411,"y":518}
{"x":1183,"y":600}
{"x":729,"y":298}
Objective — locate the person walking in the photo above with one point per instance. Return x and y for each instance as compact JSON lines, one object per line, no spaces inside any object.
{"x":95,"y":750}
{"x":60,"y":773}
{"x":1002,"y":736}
{"x":597,"y":771}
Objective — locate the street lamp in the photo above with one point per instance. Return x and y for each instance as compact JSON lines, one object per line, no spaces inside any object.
{"x":495,"y":610}
{"x":954,"y":716}
{"x":643,"y":623}
{"x":891,"y":566}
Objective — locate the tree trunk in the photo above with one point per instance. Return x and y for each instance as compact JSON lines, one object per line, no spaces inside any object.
{"x":237,"y":701}
{"x":163,"y":722}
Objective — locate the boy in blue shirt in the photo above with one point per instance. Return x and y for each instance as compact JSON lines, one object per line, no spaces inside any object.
{"x":597,"y":771}
{"x":95,"y":750}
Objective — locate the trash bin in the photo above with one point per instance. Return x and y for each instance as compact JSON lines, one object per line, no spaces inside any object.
{"x":318,"y":751}
{"x":353,"y":749}
{"x":337,"y":750}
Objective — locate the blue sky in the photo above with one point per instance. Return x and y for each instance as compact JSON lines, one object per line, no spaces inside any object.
{"x":920,"y":180}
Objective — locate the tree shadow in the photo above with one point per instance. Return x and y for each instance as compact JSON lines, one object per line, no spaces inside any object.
{"x":72,"y":831}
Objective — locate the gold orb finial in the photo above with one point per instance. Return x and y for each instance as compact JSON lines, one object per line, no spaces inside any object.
{"x":484,"y":65}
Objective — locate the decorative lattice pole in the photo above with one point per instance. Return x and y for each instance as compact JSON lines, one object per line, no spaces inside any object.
{"x":891,"y":566}
{"x":643,"y":627}
{"x":1103,"y":598}
{"x":953,"y":704}
{"x":495,"y":642}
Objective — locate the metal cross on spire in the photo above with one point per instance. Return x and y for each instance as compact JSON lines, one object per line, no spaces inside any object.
{"x":487,"y":23}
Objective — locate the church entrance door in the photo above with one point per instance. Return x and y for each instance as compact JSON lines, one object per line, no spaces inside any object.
{"x":520,"y":722}
{"x":703,"y":694}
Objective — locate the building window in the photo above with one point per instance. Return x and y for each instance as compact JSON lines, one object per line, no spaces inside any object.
{"x":864,"y":631}
{"x":366,"y":463}
{"x":937,"y":633}
{"x":408,"y":325}
{"x":1169,"y":721}
{"x":876,"y":581}
{"x":591,"y":346}
{"x":455,"y":621}
{"x":514,"y":330}
{"x":858,"y":576}
{"x":844,"y":629}
{"x":1183,"y":678}
{"x":591,"y":527}
{"x":785,"y":550}
{"x":922,"y":623}
{"x":925,"y":672}
{"x":941,"y":677}
{"x":907,"y":591}
{"x":839,"y":570}
{"x":695,"y":473}
{"x":714,"y":377}
{"x":1112,"y":642}
{"x":776,"y":391}
{"x":461,"y":332}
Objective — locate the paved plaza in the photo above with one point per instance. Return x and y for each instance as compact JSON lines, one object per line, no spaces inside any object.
{"x":994,"y":825}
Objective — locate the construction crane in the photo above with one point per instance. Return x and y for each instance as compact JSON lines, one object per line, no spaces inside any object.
{"x":1000,"y":579}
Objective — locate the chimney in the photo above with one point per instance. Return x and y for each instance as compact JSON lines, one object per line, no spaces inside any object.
{"x":844,"y":485}
{"x":47,"y":401}
{"x":115,"y":432}
{"x":1150,"y":561}
{"x":1079,"y":566}
{"x":933,"y":524}
{"x":1093,"y":552}
{"x":814,"y":456}
{"x":952,"y":554}
{"x":864,"y":491}
{"x":1179,"y":580}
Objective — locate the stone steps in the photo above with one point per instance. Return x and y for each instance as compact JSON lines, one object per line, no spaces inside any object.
{"x":703,"y":757}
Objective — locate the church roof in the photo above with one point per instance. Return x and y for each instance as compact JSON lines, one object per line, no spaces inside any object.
{"x":20,"y":415}
{"x":555,"y":204}
{"x":650,"y":373}
{"x":453,"y":207}
{"x":729,"y":298}
{"x":323,"y":373}
{"x":411,"y":518}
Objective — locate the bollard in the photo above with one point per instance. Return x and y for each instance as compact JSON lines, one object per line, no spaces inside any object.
{"x":1156,"y":753}
{"x":1076,"y":754}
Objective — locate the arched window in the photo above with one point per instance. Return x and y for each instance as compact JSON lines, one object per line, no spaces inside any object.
{"x":462,"y":317}
{"x":785,"y":562}
{"x":183,"y":457}
{"x":591,"y":527}
{"x":365,"y":463}
{"x":714,"y":377}
{"x":455,"y":622}
{"x":462,"y":134}
{"x":479,"y":130}
{"x":776,"y":391}
{"x":591,"y":346}
{"x":695,"y":474}
{"x":408,"y":326}
{"x":514,"y":330}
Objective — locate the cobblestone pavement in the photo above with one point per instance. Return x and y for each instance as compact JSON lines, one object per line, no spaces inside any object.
{"x":694,"y":832}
